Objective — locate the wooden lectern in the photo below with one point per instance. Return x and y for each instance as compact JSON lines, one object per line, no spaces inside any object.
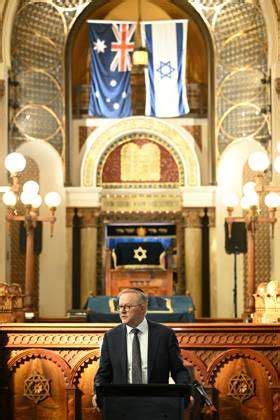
{"x":147,"y":401}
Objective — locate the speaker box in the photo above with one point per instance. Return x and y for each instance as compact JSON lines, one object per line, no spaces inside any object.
{"x":237,"y":242}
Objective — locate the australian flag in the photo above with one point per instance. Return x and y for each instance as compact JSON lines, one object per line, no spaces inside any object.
{"x":111,"y":46}
{"x":166,"y":43}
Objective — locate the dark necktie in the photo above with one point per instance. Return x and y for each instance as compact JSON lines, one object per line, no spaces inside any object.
{"x":136,"y":358}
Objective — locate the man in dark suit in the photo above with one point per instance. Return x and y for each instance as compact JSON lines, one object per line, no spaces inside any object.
{"x":160,"y":353}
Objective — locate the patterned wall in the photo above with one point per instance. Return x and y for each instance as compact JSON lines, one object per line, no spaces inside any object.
{"x":243,"y":97}
{"x":37,"y":82}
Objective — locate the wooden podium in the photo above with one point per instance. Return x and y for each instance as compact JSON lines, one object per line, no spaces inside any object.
{"x":147,"y":401}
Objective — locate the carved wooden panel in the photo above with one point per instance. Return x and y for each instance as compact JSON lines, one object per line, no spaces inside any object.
{"x":153,"y":282}
{"x":49,"y":368}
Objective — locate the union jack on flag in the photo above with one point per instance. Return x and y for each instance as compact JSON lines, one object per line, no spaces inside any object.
{"x":111,"y":46}
{"x":123,"y":33}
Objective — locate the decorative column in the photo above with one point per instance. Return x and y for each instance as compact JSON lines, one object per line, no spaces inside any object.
{"x":3,"y":178}
{"x":69,"y":252}
{"x":88,"y":252}
{"x":213,"y":262}
{"x":193,"y":262}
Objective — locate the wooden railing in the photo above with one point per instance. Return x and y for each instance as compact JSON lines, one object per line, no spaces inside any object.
{"x":48,"y":369}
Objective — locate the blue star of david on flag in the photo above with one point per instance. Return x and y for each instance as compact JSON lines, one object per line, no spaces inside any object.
{"x":165,"y":79}
{"x":165,"y":69}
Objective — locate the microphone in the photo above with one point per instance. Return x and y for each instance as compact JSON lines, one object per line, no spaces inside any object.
{"x":202,"y":393}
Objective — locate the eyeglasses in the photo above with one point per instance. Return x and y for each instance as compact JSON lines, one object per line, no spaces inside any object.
{"x":126,"y":307}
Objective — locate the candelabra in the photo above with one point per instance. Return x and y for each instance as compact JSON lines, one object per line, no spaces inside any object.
{"x":256,"y":195}
{"x":29,"y":197}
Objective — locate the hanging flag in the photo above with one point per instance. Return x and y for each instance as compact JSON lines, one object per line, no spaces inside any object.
{"x":165,"y":78}
{"x":111,"y":46}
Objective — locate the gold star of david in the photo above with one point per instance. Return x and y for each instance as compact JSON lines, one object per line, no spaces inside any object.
{"x":140,"y":254}
{"x":241,"y":387}
{"x":36,"y":388}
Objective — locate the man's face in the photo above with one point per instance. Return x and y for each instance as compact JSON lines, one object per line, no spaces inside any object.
{"x":131,"y":311}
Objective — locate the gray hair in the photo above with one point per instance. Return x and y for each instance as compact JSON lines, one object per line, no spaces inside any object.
{"x":141,"y":295}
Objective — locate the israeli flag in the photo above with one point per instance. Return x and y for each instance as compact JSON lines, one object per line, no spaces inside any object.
{"x":165,"y":78}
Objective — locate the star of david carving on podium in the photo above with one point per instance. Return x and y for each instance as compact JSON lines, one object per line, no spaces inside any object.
{"x":140,"y":254}
{"x":36,"y":388}
{"x":241,"y":387}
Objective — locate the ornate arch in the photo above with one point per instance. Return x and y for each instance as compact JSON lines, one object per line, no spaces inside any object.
{"x":238,"y":353}
{"x":180,"y":143}
{"x":40,"y":354}
{"x":197,"y":363}
{"x":92,"y":356}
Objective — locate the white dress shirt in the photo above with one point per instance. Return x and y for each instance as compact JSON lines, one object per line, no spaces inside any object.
{"x":143,"y":339}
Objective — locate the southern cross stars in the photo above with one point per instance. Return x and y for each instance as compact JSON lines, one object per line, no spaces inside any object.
{"x":99,"y":46}
{"x":165,"y":69}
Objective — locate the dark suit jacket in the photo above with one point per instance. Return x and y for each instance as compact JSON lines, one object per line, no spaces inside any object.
{"x":163,"y":357}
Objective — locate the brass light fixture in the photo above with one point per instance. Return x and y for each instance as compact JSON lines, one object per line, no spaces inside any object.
{"x":31,"y":199}
{"x":140,"y":54}
{"x":255,"y":193}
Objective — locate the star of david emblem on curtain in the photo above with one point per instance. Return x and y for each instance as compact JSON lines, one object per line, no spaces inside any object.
{"x":36,"y":388}
{"x":241,"y":387}
{"x":140,"y":254}
{"x":165,"y":69}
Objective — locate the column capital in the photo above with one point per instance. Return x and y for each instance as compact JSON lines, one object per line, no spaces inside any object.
{"x":89,"y":217}
{"x":192,"y":217}
{"x":211,"y":213}
{"x":2,"y":88}
{"x":277,"y":85}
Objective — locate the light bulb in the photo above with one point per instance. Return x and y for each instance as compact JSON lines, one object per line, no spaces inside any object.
{"x":52,"y":199}
{"x":258,"y":161}
{"x":140,"y":57}
{"x":36,"y":201}
{"x":9,"y":198}
{"x":26,"y":198}
{"x":230,"y":199}
{"x":272,"y":200}
{"x":15,"y":162}
{"x":276,"y":164}
{"x":253,"y":198}
{"x":248,"y":187}
{"x":31,"y":187}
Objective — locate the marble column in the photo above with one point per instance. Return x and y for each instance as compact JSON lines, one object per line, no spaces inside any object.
{"x":69,"y":248}
{"x":88,"y":252}
{"x":193,"y":246}
{"x":4,"y":264}
{"x":213,"y":262}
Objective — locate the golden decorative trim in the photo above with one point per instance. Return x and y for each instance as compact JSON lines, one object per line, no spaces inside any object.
{"x":139,"y":267}
{"x":141,"y":203}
